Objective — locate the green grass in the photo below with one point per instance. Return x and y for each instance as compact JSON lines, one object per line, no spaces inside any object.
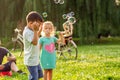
{"x":95,"y":62}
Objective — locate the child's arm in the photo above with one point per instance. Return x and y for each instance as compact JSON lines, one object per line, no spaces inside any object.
{"x":61,"y":38}
{"x":35,"y":38}
{"x":71,"y":27}
{"x":11,"y":58}
{"x":65,"y":28}
{"x":35,"y":30}
{"x":40,"y":46}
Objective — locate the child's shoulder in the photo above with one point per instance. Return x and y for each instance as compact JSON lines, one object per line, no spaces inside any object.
{"x":52,"y":37}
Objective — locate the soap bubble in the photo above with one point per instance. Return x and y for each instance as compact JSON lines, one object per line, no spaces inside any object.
{"x":64,"y":16}
{"x":72,"y":20}
{"x":61,"y":1}
{"x":56,"y":1}
{"x":70,"y":14}
{"x":44,"y":14}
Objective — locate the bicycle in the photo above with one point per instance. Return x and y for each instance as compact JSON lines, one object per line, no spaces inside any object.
{"x":68,"y":50}
{"x":16,"y":41}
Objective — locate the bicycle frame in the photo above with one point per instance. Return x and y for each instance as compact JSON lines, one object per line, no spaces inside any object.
{"x":67,"y":50}
{"x":18,"y":39}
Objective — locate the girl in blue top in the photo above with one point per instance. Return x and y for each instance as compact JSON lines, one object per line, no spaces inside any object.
{"x":47,"y":46}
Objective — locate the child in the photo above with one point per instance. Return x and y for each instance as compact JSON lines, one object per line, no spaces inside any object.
{"x":68,"y":31}
{"x":10,"y":65}
{"x":47,"y":46}
{"x":31,"y":47}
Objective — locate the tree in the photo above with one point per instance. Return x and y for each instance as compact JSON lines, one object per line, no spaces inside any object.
{"x":93,"y":16}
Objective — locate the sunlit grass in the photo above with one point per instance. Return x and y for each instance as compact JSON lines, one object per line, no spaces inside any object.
{"x":95,"y":62}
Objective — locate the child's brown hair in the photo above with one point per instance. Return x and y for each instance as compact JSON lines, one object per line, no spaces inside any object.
{"x":34,"y":16}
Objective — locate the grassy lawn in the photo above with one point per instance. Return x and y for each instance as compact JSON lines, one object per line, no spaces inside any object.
{"x":95,"y":62}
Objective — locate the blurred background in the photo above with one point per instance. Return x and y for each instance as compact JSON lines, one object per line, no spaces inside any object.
{"x":93,"y":18}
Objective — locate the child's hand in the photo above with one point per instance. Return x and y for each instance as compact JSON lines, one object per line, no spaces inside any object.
{"x":61,"y":38}
{"x":1,"y":67}
{"x":57,"y":32}
{"x":60,"y":33}
{"x":40,"y":27}
{"x":11,"y":58}
{"x":35,"y":26}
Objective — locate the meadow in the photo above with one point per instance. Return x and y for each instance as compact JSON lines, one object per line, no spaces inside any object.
{"x":95,"y":62}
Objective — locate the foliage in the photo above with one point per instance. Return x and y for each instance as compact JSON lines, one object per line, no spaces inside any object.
{"x":95,"y":62}
{"x":93,"y":16}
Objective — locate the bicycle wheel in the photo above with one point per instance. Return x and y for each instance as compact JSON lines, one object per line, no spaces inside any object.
{"x":69,"y":51}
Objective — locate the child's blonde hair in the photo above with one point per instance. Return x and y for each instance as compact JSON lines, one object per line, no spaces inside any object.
{"x":53,"y":28}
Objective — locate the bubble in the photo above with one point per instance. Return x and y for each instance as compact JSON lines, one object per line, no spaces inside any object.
{"x":56,"y":1}
{"x":117,"y":2}
{"x":61,"y":1}
{"x":72,"y":20}
{"x":44,"y":14}
{"x":64,"y":16}
{"x":72,"y":13}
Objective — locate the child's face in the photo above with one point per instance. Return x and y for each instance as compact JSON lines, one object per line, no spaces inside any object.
{"x":47,"y":29}
{"x":36,"y":25}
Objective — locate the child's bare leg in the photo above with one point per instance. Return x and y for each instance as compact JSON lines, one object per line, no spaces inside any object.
{"x":45,"y":74}
{"x":49,"y":74}
{"x":61,"y":37}
{"x":14,"y":67}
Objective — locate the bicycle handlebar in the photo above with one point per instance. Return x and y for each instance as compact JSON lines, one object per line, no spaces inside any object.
{"x":17,"y":30}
